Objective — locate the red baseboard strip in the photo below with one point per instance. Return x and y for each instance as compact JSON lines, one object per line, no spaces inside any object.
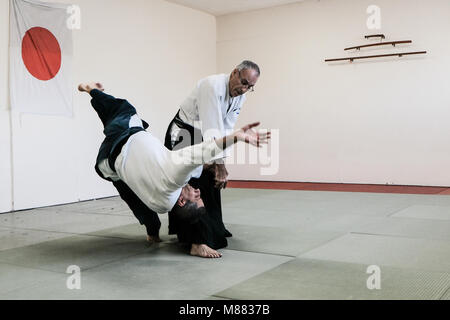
{"x":338,"y":187}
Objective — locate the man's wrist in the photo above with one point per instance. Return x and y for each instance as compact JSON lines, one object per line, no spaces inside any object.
{"x":235,"y":137}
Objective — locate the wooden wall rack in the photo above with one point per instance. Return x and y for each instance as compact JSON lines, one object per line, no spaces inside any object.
{"x":400,"y":54}
{"x":393,"y":43}
{"x":381,"y":36}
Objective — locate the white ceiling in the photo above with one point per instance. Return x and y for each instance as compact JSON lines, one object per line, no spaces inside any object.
{"x":221,"y":7}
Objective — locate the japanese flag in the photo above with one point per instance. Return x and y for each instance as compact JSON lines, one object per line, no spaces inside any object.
{"x":41,"y":52}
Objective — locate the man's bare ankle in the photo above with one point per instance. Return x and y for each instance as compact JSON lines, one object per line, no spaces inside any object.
{"x":88,"y":87}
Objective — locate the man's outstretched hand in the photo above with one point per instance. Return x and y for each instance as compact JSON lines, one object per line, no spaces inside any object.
{"x":248,"y":135}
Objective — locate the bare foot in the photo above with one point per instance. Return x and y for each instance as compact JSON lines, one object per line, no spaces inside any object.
{"x":87,"y":87}
{"x":154,"y":239}
{"x":203,"y":251}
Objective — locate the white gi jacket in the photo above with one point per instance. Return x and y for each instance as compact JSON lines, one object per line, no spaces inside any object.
{"x":155,"y":174}
{"x":210,"y":108}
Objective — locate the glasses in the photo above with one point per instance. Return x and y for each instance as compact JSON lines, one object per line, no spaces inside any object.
{"x":244,"y":82}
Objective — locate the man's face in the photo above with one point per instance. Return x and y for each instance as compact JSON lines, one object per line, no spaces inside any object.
{"x":242,"y":81}
{"x":188,"y":193}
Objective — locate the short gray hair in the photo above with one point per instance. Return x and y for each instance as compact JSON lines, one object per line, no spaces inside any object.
{"x":247,"y":64}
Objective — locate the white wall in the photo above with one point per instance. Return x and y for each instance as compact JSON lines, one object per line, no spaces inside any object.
{"x":374,"y":121}
{"x":5,"y":131}
{"x":379,"y":121}
{"x":150,"y":52}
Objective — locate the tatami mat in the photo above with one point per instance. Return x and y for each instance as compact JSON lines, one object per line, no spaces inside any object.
{"x":409,"y":228}
{"x":164,"y":273}
{"x":425,"y":212}
{"x":83,"y":251}
{"x":433,"y":255}
{"x":318,"y":279}
{"x":285,"y":245}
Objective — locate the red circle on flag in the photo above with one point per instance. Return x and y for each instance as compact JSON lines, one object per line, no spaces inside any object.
{"x":41,"y":53}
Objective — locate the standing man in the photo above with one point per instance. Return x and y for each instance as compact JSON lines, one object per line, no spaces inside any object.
{"x":210,"y":111}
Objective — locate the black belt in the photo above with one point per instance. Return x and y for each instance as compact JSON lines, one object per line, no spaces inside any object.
{"x":182,"y":125}
{"x":194,"y":132}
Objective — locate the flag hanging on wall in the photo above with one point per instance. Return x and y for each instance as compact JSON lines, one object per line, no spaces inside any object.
{"x":41,"y":51}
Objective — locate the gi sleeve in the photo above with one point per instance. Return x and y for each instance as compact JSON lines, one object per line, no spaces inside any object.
{"x":187,"y":159}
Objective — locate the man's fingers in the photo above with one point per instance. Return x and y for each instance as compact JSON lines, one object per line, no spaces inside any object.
{"x":253,"y":125}
{"x":219,"y":186}
{"x":220,"y":183}
{"x":255,"y":138}
{"x":265,"y":134}
{"x":250,"y":126}
{"x":263,"y":138}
